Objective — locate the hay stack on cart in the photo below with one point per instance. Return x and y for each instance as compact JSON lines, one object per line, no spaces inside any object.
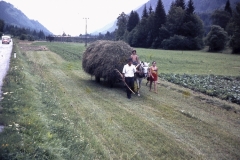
{"x":102,"y":57}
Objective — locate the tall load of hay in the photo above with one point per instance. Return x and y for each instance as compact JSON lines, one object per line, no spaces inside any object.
{"x":102,"y":58}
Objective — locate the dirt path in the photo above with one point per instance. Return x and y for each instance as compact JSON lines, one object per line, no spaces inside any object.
{"x":176,"y":123}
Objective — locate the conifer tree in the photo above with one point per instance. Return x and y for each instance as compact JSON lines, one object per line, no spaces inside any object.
{"x":171,"y":6}
{"x":160,"y":15}
{"x":150,"y":29}
{"x":159,"y":18}
{"x":150,"y":9}
{"x":175,"y":19}
{"x":228,"y":7}
{"x":132,"y":21}
{"x":235,"y":40}
{"x":190,"y":7}
{"x":180,"y":3}
{"x":145,"y":13}
{"x":41,"y":35}
{"x":34,"y":33}
{"x":122,"y":26}
{"x":221,"y":18}
{"x":1,"y":25}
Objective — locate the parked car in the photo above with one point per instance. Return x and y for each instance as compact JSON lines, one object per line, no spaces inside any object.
{"x":6,"y":39}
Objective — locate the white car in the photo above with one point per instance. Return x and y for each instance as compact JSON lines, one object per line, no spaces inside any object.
{"x":6,"y":39}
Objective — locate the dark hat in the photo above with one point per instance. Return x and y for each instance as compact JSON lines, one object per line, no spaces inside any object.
{"x":129,"y":59}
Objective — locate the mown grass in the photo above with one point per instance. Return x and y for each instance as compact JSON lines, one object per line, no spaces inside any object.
{"x":52,"y":110}
{"x":69,"y":51}
{"x":36,"y":125}
{"x":168,"y":61}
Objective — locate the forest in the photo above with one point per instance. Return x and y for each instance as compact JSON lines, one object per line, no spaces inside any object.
{"x":181,"y":28}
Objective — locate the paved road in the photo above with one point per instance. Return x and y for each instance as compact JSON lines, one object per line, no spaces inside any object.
{"x":5,"y":53}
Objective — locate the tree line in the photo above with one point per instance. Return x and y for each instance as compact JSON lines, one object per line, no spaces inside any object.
{"x":20,"y":32}
{"x":180,"y":29}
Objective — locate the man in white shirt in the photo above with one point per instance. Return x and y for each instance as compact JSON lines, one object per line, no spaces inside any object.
{"x":128,"y":75}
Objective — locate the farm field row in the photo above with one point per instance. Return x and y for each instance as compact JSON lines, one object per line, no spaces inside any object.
{"x":52,"y":109}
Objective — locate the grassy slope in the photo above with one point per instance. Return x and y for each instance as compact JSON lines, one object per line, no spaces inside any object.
{"x":72,"y":117}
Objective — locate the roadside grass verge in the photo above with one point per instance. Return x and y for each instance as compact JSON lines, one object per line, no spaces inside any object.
{"x":36,"y":126}
{"x":62,"y":114}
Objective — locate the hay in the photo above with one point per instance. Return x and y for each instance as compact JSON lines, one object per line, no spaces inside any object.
{"x":102,"y":57}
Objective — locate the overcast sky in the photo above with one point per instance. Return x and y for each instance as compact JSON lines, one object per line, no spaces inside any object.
{"x":60,"y":16}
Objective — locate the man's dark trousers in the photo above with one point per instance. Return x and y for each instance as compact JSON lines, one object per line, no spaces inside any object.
{"x":130,"y":82}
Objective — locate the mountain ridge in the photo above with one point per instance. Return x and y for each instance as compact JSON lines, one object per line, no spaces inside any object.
{"x":13,"y":16}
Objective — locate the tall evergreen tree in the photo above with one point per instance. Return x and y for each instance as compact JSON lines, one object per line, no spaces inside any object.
{"x":150,"y":29}
{"x":137,"y":38}
{"x":129,"y":23}
{"x":41,"y":35}
{"x":171,"y":6}
{"x":7,"y":29}
{"x":189,"y":11}
{"x":192,"y":25}
{"x":175,"y":19}
{"x":182,"y":30}
{"x":1,"y":25}
{"x":109,"y":36}
{"x":136,"y":18}
{"x":150,"y":9}
{"x":228,"y":7}
{"x":235,"y":40}
{"x":159,"y":18}
{"x":190,"y":7}
{"x":221,"y":18}
{"x":34,"y":33}
{"x":23,"y":30}
{"x":139,"y":34}
{"x":180,"y":3}
{"x":145,"y":13}
{"x":133,"y":20}
{"x":160,"y":15}
{"x":122,"y":26}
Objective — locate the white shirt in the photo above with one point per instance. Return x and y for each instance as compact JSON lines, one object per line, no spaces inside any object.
{"x":129,"y":71}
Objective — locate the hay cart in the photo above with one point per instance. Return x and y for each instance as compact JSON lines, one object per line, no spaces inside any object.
{"x":102,"y":58}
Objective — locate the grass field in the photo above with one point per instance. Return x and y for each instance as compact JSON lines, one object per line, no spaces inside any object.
{"x":52,"y":109}
{"x":192,"y":62}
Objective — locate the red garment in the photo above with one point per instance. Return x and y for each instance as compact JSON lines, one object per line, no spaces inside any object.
{"x":154,"y":76}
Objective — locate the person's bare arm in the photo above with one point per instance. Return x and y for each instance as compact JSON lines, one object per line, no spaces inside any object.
{"x":138,"y":60}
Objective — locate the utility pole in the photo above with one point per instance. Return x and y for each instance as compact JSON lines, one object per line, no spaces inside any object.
{"x":86,"y":32}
